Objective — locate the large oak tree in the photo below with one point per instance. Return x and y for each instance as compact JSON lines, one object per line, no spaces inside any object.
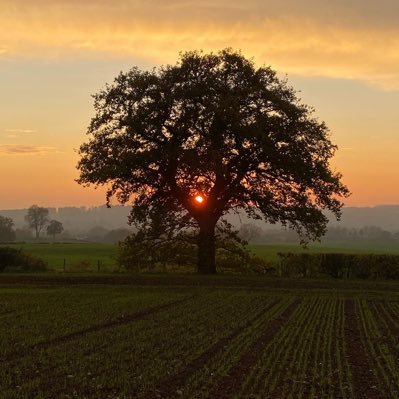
{"x":218,"y":127}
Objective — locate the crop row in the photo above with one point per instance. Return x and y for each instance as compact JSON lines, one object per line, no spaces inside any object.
{"x":293,"y":350}
{"x":306,"y":357}
{"x":380,"y":334}
{"x":159,"y":342}
{"x":130,"y":359}
{"x":206,"y":380}
{"x":31,"y":316}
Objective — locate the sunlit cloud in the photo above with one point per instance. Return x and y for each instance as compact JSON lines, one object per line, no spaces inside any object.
{"x":11,"y":149}
{"x":339,"y":40}
{"x":21,"y":131}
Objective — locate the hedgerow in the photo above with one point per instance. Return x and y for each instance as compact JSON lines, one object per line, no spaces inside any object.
{"x":338,"y":265}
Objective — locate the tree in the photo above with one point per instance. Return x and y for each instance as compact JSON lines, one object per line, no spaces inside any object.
{"x":211,"y":134}
{"x":97,"y":233}
{"x":54,"y":227}
{"x":117,"y":235}
{"x":23,"y":234}
{"x":250,"y":232}
{"x":7,"y":232}
{"x":37,"y":219}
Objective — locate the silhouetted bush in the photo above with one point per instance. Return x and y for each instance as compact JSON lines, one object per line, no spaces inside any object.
{"x":336,"y":265}
{"x":299,"y":265}
{"x":12,"y":259}
{"x":138,"y":252}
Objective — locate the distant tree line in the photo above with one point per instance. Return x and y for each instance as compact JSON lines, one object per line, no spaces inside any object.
{"x":255,"y":234}
{"x":39,"y":225}
{"x":37,"y":221}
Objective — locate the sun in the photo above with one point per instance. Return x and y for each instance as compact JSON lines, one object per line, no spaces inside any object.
{"x":199,"y":199}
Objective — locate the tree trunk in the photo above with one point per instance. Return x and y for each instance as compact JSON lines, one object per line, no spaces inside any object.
{"x":206,"y":249}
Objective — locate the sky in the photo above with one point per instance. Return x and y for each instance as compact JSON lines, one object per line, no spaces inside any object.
{"x":341,"y":56}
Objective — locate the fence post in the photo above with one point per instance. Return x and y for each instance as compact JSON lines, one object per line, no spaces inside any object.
{"x":98,"y":266}
{"x":64,"y":264}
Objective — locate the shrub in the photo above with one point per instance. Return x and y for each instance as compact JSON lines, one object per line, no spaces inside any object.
{"x":299,"y":265}
{"x":12,"y":259}
{"x":339,"y":265}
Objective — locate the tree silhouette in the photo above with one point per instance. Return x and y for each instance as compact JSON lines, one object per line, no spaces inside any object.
{"x":217,"y":127}
{"x":7,"y":232}
{"x":37,"y":218}
{"x":54,"y":227}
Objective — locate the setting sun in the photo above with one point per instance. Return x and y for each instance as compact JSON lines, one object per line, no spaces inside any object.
{"x":199,"y":199}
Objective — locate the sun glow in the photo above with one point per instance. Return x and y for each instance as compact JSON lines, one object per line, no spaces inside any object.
{"x":199,"y":199}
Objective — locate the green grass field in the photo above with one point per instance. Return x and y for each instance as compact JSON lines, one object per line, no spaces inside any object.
{"x":176,"y":336}
{"x":269,"y":252}
{"x":87,"y":256}
{"x":77,"y":256}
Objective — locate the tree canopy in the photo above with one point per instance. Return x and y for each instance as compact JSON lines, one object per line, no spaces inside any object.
{"x":37,"y":218}
{"x":54,"y":227}
{"x":7,"y":232}
{"x":218,"y":127}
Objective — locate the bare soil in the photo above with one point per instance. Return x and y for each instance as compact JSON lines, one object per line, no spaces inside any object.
{"x":365,"y":383}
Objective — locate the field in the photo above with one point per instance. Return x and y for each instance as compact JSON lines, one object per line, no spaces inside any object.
{"x":127,"y":336}
{"x":75,"y":256}
{"x":94,"y":256}
{"x":270,"y":251}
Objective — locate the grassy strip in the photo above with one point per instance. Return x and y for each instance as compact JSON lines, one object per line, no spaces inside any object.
{"x":46,"y":280}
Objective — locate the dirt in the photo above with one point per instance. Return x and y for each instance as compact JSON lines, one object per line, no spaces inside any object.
{"x":365,"y":383}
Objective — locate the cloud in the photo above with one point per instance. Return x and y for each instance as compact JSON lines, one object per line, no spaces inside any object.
{"x":11,"y":149}
{"x":340,"y":39}
{"x":20,"y":131}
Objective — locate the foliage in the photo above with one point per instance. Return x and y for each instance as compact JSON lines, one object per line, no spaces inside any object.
{"x":101,"y":234}
{"x":116,"y":235}
{"x":23,"y":234}
{"x":250,"y":232}
{"x":339,"y":265}
{"x":55,"y":254}
{"x":7,"y":232}
{"x":15,"y":259}
{"x":149,"y":248}
{"x":214,"y":125}
{"x":37,"y":219}
{"x":54,"y":227}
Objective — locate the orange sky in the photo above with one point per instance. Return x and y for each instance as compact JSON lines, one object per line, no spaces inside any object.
{"x":343,"y":56}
